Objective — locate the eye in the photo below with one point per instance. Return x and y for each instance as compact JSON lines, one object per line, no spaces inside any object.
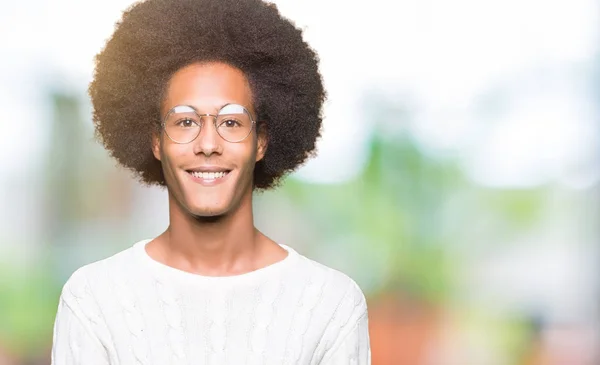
{"x":186,"y":123}
{"x":230,"y":123}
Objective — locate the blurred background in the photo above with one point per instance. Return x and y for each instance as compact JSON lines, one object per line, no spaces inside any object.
{"x":458,"y":176}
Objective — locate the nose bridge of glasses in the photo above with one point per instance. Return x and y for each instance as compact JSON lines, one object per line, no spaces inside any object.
{"x":214,"y":118}
{"x":205,"y":115}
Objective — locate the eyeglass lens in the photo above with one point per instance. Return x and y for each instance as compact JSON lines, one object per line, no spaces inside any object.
{"x":233,"y":122}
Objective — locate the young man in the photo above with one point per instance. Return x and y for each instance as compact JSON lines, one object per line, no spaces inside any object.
{"x":212,"y":99}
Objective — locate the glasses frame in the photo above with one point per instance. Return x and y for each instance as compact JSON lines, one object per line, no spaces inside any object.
{"x":214,"y":117}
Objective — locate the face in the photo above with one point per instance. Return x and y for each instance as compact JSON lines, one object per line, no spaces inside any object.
{"x":209,"y":176}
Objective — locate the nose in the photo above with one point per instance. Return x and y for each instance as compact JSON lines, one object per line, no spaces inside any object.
{"x":208,"y":141}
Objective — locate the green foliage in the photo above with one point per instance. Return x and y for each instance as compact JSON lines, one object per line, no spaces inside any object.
{"x":407,"y":211}
{"x":391,"y":210}
{"x":519,"y":208}
{"x":28,"y":303}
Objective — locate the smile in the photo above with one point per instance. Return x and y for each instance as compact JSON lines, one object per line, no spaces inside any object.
{"x":209,"y":175}
{"x":208,"y":178}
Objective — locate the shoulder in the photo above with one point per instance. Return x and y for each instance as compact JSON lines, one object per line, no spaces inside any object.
{"x":338,"y":291}
{"x":88,"y":279}
{"x":339,"y":307}
{"x":87,"y":294}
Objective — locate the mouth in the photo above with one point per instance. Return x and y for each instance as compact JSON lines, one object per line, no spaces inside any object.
{"x":208,"y":177}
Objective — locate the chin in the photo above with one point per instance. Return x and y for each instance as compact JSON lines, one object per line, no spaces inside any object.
{"x":203,"y":211}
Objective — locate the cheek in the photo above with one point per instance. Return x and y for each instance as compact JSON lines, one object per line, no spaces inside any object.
{"x":246,"y":153}
{"x":173,"y":155}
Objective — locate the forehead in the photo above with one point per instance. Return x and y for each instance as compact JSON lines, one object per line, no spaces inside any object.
{"x":207,"y":87}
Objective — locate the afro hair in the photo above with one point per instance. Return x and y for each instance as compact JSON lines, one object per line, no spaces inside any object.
{"x":155,"y":38}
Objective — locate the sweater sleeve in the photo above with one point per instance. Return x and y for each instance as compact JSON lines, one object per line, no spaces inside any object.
{"x":352,"y":345}
{"x":354,"y":348}
{"x":75,"y":342}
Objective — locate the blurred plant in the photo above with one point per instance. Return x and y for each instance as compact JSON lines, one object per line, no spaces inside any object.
{"x":401,"y":229}
{"x":387,"y":219}
{"x":28,"y":302}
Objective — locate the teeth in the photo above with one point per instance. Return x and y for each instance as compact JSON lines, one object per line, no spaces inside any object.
{"x":209,"y":175}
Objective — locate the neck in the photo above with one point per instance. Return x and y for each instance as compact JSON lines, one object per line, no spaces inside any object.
{"x":223,"y":245}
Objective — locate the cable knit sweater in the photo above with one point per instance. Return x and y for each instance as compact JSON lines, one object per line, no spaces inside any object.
{"x":131,"y":309}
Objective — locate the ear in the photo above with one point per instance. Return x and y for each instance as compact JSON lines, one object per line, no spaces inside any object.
{"x":263,"y":141}
{"x":156,"y":145}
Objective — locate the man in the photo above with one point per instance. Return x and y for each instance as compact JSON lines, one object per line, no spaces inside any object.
{"x":212,"y":99}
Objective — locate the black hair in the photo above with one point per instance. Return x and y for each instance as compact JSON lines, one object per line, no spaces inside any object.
{"x":155,"y":38}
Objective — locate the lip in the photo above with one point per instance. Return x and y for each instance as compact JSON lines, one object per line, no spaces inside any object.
{"x":208,"y":168}
{"x":208,"y":182}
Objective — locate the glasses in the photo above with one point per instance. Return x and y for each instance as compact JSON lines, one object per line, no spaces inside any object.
{"x":183,"y":123}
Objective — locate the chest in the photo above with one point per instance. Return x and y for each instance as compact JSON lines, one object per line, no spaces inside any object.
{"x":159,"y":324}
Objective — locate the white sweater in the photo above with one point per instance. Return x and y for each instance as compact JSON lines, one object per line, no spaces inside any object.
{"x":130,"y":309}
